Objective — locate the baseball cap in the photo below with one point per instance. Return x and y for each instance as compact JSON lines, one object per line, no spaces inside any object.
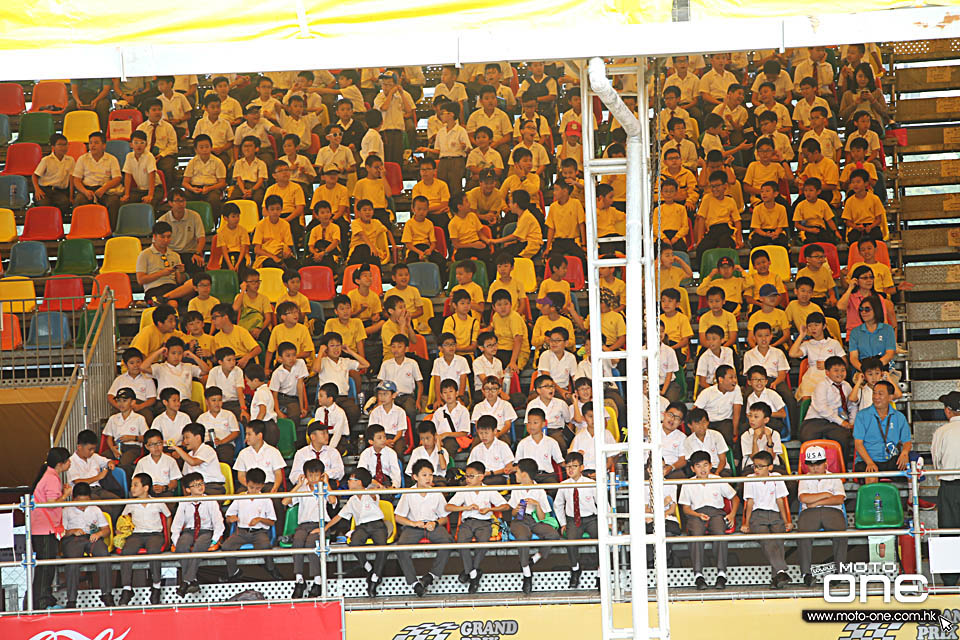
{"x":387,"y":385}
{"x":768,"y":290}
{"x":573,"y":129}
{"x":330,"y":167}
{"x":814,"y":455}
{"x":250,"y":108}
{"x":487,"y":174}
{"x":951,"y":400}
{"x":545,"y":300}
{"x":725,"y":261}
{"x":388,"y":75}
{"x":126,"y":393}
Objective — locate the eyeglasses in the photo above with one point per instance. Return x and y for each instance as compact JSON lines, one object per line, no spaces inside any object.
{"x":154,"y":444}
{"x":866,"y":307}
{"x":195,"y":485}
{"x":473,"y":475}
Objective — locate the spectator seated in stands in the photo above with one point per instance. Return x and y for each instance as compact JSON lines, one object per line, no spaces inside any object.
{"x":881,"y":435}
{"x":703,"y":508}
{"x":766,"y":510}
{"x":821,"y":508}
{"x":161,"y":272}
{"x":832,"y":413}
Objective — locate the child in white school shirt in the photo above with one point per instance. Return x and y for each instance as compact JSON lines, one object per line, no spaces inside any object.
{"x":492,"y":452}
{"x":229,"y":378}
{"x":162,"y":468}
{"x":171,"y":422}
{"x":757,"y":381}
{"x":713,"y":356}
{"x":487,"y":364}
{"x":723,"y":403}
{"x":422,"y":516}
{"x":539,"y":448}
{"x":390,"y":416}
{"x":308,"y":530}
{"x":477,"y":509}
{"x":86,"y":531}
{"x":558,"y":363}
{"x":260,"y":455}
{"x":331,"y":366}
{"x":201,"y":458}
{"x":379,"y":459}
{"x":494,"y":405}
{"x":287,"y":385}
{"x":188,"y":538}
{"x":405,"y":376}
{"x":452,"y":419}
{"x":147,"y":534}
{"x":583,"y":443}
{"x":703,"y":510}
{"x":253,"y":519}
{"x":124,"y":430}
{"x":450,"y":366}
{"x":431,"y":451}
{"x":576,"y":511}
{"x":759,"y":437}
{"x":531,"y":515}
{"x":702,"y":438}
{"x":174,"y":372}
{"x":222,"y":427}
{"x":142,"y":384}
{"x":555,"y":410}
{"x":369,"y":524}
{"x":262,"y":406}
{"x":318,"y":448}
{"x":332,"y":417}
{"x":766,"y":510}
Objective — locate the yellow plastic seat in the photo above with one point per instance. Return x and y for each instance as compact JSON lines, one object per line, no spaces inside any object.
{"x":8,"y":226}
{"x":109,"y":540}
{"x":227,"y":478}
{"x":78,"y":125}
{"x":524,"y":272}
{"x":146,"y":318}
{"x":779,"y":260}
{"x":17,"y":295}
{"x":736,"y":192}
{"x":834,"y":328}
{"x":196,"y":394}
{"x":388,"y":517}
{"x":120,"y":255}
{"x":422,"y":324}
{"x":271,"y":283}
{"x":685,"y":302}
{"x":785,"y":459}
{"x":249,"y":214}
{"x":611,"y":422}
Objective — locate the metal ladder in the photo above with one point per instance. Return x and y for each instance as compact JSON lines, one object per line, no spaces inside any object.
{"x":642,"y":354}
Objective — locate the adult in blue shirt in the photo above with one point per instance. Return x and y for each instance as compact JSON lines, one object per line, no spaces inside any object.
{"x":881,"y":435}
{"x":874,"y":337}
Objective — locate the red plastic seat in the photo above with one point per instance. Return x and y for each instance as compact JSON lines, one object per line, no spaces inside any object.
{"x":22,"y":159}
{"x":350,"y":285}
{"x":394,"y":177}
{"x":63,"y":294}
{"x":834,"y":451}
{"x":11,"y":99}
{"x":314,"y":144}
{"x":76,"y":149}
{"x":10,"y":336}
{"x":833,"y":259}
{"x":317,"y":283}
{"x":49,"y":96}
{"x":574,"y":273}
{"x":119,"y":284}
{"x":90,"y":221}
{"x":120,"y":130}
{"x":853,"y":254}
{"x":441,"y":241}
{"x":43,"y":224}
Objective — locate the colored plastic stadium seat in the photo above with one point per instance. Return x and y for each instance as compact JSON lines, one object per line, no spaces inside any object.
{"x":76,"y":149}
{"x":36,"y":127}
{"x":49,"y":96}
{"x":249,"y":214}
{"x":5,"y":133}
{"x":425,"y":276}
{"x":10,"y":335}
{"x":835,"y":463}
{"x":271,"y":283}
{"x":525,"y":274}
{"x":224,"y":285}
{"x":14,"y":192}
{"x":118,"y":149}
{"x":205,"y":211}
{"x":853,"y":254}
{"x":63,"y":294}
{"x":441,"y":241}
{"x":29,"y":259}
{"x":314,"y":144}
{"x":48,"y":330}
{"x":891,"y":509}
{"x":574,"y":273}
{"x":710,"y":257}
{"x":119,"y":284}
{"x":90,"y":221}
{"x":76,"y":257}
{"x":830,"y":251}
{"x":123,"y":122}
{"x":78,"y":125}
{"x":43,"y":224}
{"x":17,"y":295}
{"x":8,"y":226}
{"x":120,"y":255}
{"x":135,"y":219}
{"x":350,"y":285}
{"x":394,"y":176}
{"x":779,"y":260}
{"x":11,"y":99}
{"x":317,"y":283}
{"x":22,"y":159}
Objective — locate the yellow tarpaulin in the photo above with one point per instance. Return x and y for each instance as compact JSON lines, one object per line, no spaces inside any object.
{"x":34,"y":24}
{"x":712,"y":9}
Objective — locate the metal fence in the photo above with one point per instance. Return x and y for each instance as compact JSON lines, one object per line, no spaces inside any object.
{"x":328,"y":552}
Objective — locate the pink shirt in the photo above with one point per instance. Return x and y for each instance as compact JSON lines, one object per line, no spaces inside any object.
{"x":49,"y":489}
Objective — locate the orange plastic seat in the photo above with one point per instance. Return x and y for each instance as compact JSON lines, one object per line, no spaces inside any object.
{"x":49,"y":96}
{"x":90,"y":221}
{"x":76,"y":149}
{"x":350,"y":285}
{"x":317,"y":283}
{"x":834,"y":451}
{"x":11,"y":99}
{"x":10,"y":335}
{"x":119,"y":284}
{"x":853,"y":254}
{"x":123,"y":122}
{"x":394,"y":176}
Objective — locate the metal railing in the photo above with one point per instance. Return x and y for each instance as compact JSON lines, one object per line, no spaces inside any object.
{"x":326,"y":551}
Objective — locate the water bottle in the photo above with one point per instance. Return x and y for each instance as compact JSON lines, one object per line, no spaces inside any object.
{"x":210,"y":435}
{"x":522,"y":510}
{"x":877,"y":508}
{"x":361,"y":400}
{"x":506,"y":381}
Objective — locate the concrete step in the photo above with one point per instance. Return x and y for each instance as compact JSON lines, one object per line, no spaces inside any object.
{"x":931,"y":207}
{"x":926,"y":50}
{"x":929,"y":172}
{"x":921,"y":110}
{"x":916,"y":79}
{"x":934,"y":139}
{"x":933,"y":277}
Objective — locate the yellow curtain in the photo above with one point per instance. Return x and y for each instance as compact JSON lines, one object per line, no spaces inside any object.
{"x":711,"y":9}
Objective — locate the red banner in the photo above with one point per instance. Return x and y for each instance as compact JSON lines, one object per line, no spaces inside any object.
{"x":291,"y":621}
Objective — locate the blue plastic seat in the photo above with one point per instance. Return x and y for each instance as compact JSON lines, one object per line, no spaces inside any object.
{"x":119,"y":150}
{"x":135,"y":219}
{"x":425,"y":276}
{"x":14,"y":192}
{"x":29,"y":259}
{"x":48,"y":330}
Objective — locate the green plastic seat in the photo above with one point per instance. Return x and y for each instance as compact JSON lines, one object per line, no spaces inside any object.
{"x":891,"y":507}
{"x":225,"y":285}
{"x":287,"y":444}
{"x":76,"y":257}
{"x":36,"y":127}
{"x":479,"y":276}
{"x":206,"y":214}
{"x":731,"y":462}
{"x":710,"y":257}
{"x":289,"y":526}
{"x":804,"y":407}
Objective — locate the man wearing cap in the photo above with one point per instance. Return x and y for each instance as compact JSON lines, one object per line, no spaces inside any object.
{"x":946,"y":455}
{"x":881,"y":435}
{"x":395,"y":104}
{"x":821,"y":508}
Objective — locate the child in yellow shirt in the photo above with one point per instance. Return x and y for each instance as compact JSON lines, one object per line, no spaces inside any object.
{"x":769,"y":222}
{"x":272,"y":239}
{"x":291,"y":280}
{"x":505,"y":280}
{"x":464,"y":273}
{"x":470,"y":240}
{"x":233,"y":241}
{"x":373,"y":189}
{"x":718,"y":219}
{"x":369,"y":241}
{"x":204,"y":302}
{"x":566,"y":223}
{"x":761,"y":275}
{"x":527,"y":238}
{"x":420,"y":238}
{"x":670,"y":221}
{"x":254,"y":311}
{"x":350,"y":329}
{"x":863,"y":211}
{"x":323,"y":245}
{"x":722,"y":276}
{"x":813,"y":216}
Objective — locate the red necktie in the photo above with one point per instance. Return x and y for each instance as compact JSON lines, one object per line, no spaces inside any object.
{"x":843,"y":397}
{"x":576,"y":508}
{"x":378,"y":475}
{"x":196,"y":520}
{"x":326,"y":419}
{"x":316,"y":453}
{"x":153,"y":135}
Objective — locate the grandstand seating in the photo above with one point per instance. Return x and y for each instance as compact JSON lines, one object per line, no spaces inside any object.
{"x":49,"y":97}
{"x":42,"y":223}
{"x":36,"y":128}
{"x":11,"y":99}
{"x":89,"y":221}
